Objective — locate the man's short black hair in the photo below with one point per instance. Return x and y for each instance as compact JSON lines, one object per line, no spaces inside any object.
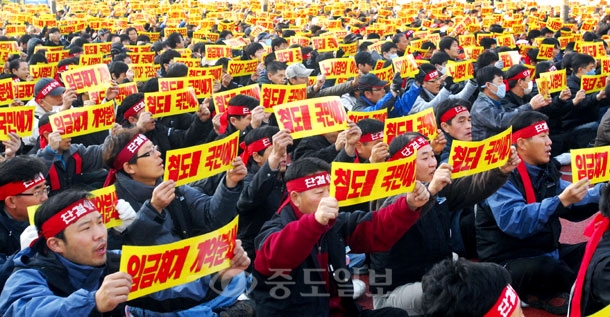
{"x":446,"y":43}
{"x":267,"y":131}
{"x":275,"y":66}
{"x":368,"y":126}
{"x":173,"y":40}
{"x":276,"y":42}
{"x":439,"y":58}
{"x":127,"y":103}
{"x":118,"y":68}
{"x":177,"y":70}
{"x":487,"y":74}
{"x":363,"y":58}
{"x":21,"y":168}
{"x":387,"y":46}
{"x":487,"y":42}
{"x":306,"y":166}
{"x":251,"y":49}
{"x":581,"y":61}
{"x":168,"y":55}
{"x":396,"y":38}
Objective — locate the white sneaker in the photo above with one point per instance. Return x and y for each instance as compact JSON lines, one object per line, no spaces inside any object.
{"x":564,"y":158}
{"x":359,"y":288}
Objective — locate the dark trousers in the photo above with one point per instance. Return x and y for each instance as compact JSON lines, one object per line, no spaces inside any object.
{"x":545,"y":276}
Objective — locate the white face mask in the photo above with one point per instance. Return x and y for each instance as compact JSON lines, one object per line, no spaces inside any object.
{"x":443,"y":70}
{"x":530,"y":86}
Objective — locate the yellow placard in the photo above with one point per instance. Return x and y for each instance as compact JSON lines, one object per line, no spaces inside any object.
{"x":591,"y":163}
{"x":23,"y":90}
{"x":97,"y":48}
{"x":349,"y":49}
{"x":43,"y":70}
{"x":144,"y":72}
{"x":594,"y":49}
{"x":221,"y":99}
{"x":83,"y":120}
{"x":592,"y":83}
{"x":16,"y":119}
{"x":312,"y":116}
{"x":460,"y":71}
{"x":557,"y":80}
{"x":105,"y":200}
{"x":169,"y":103}
{"x":289,"y":56}
{"x":190,"y":62}
{"x":509,"y":59}
{"x":604,"y":65}
{"x":386,"y":74}
{"x":545,"y":52}
{"x":214,"y":52}
{"x":467,"y":40}
{"x":242,"y":68}
{"x":155,"y":268}
{"x":423,"y":122}
{"x":203,"y":85}
{"x":356,"y":116}
{"x":299,"y":40}
{"x":325,"y":43}
{"x":507,"y":40}
{"x":124,"y":91}
{"x":238,"y":42}
{"x":56,"y":56}
{"x":197,"y":162}
{"x":7,"y":93}
{"x":405,"y":65}
{"x":354,"y":183}
{"x":143,"y":57}
{"x":473,"y":52}
{"x":468,"y":158}
{"x":214,"y":71}
{"x":273,"y":95}
{"x":86,"y":60}
{"x":82,"y":79}
{"x":338,"y":67}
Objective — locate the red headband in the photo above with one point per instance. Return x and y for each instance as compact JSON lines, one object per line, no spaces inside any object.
{"x":410,"y":148}
{"x":255,"y":146}
{"x":451,"y":113}
{"x":371,"y":137}
{"x":46,"y":90}
{"x":431,"y":75}
{"x":506,"y":304}
{"x":521,"y":75}
{"x":44,"y":128}
{"x":530,"y":131}
{"x":69,"y":215}
{"x":308,"y":182}
{"x":16,"y":188}
{"x":231,"y":111}
{"x":133,"y":111}
{"x":124,"y":156}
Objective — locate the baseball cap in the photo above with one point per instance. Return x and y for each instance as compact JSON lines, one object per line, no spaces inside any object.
{"x":47,"y":87}
{"x":370,"y":81}
{"x":298,"y":70}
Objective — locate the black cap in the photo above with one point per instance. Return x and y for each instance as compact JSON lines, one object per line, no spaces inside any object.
{"x":118,"y":48}
{"x":369,"y":81}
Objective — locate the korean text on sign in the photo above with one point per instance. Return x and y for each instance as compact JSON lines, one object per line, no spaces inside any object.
{"x":591,"y":163}
{"x":557,"y":80}
{"x":273,"y":95}
{"x":155,"y":268}
{"x":312,"y":116}
{"x":193,"y":163}
{"x":85,"y":120}
{"x":356,"y":116}
{"x":468,"y":158}
{"x":7,"y":93}
{"x":460,"y":71}
{"x":423,"y":122}
{"x":353,"y":183}
{"x":168,"y":103}
{"x":221,"y":99}
{"x":592,"y":83}
{"x":84,"y":78}
{"x":338,"y":67}
{"x":16,"y":119}
{"x":105,"y":200}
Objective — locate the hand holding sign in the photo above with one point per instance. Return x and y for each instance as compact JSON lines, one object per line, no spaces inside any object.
{"x":352,"y":136}
{"x":239,"y":262}
{"x":574,"y":192}
{"x":441,"y":178}
{"x":539,"y":101}
{"x":580,"y":96}
{"x":438,"y":143}
{"x":565,"y":94}
{"x":418,"y":197}
{"x":281,"y":140}
{"x":69,"y":97}
{"x":258,"y":115}
{"x":512,"y":162}
{"x":12,"y":145}
{"x":145,"y":122}
{"x":114,"y":290}
{"x":54,"y":138}
{"x":237,"y":173}
{"x":379,"y":153}
{"x":163,"y":195}
{"x":204,"y":110}
{"x":328,"y":209}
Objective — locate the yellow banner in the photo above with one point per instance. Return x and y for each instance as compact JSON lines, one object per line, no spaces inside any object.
{"x":181,"y":31}
{"x":299,"y":40}
{"x":273,"y":95}
{"x":214,"y":71}
{"x":203,"y":85}
{"x":338,"y":67}
{"x":473,"y":52}
{"x":105,"y":200}
{"x":56,"y":56}
{"x":190,"y":62}
{"x":221,"y":99}
{"x":386,"y":74}
{"x":558,"y":80}
{"x":593,"y":83}
{"x":83,"y":120}
{"x":82,"y":79}
{"x":97,"y":48}
{"x":423,"y":122}
{"x":468,"y":158}
{"x":169,"y":103}
{"x":43,"y":70}
{"x":155,"y":268}
{"x":325,"y":43}
{"x":591,"y":163}
{"x":312,"y":116}
{"x":144,"y":58}
{"x":460,"y":71}
{"x":242,"y":68}
{"x":349,"y":49}
{"x":144,"y":72}
{"x":194,"y":163}
{"x":23,"y":90}
{"x":214,"y":52}
{"x":356,"y":116}
{"x":545,"y":52}
{"x":7,"y":93}
{"x":86,"y":60}
{"x":406,"y":66}
{"x":289,"y":56}
{"x":353,"y":183}
{"x":16,"y":119}
{"x":124,"y":91}
{"x":594,"y":49}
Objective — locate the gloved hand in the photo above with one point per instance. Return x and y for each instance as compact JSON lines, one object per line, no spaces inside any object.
{"x":29,"y":234}
{"x":499,"y":64}
{"x":448,"y":82}
{"x":126,"y":213}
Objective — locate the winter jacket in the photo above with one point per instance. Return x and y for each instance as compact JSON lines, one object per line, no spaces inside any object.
{"x":489,"y":117}
{"x":426,"y":99}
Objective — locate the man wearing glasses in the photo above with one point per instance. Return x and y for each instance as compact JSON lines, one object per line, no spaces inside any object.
{"x":22,"y":184}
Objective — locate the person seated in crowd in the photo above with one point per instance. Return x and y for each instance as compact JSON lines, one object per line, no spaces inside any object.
{"x":69,"y":271}
{"x":297,"y":74}
{"x":489,"y":117}
{"x":436,"y":88}
{"x":518,"y":226}
{"x":373,"y":96}
{"x":463,"y":288}
{"x":308,"y":233}
{"x":428,"y":241}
